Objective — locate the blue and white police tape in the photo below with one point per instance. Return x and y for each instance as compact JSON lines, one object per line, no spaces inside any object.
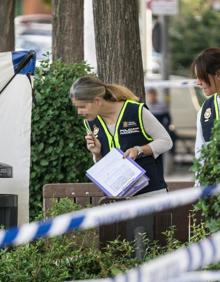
{"x":172,"y":265}
{"x":197,"y":276}
{"x":175,"y":83}
{"x":93,"y":217}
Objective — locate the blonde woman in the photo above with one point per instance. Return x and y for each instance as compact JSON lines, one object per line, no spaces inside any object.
{"x":118,"y":119}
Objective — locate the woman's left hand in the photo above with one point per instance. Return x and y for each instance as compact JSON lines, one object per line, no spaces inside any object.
{"x":131,"y":153}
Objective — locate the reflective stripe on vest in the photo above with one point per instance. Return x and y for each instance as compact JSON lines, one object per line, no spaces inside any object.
{"x":216,"y":106}
{"x":113,"y":141}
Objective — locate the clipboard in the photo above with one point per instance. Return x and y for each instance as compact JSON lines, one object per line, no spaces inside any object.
{"x":117,"y":176}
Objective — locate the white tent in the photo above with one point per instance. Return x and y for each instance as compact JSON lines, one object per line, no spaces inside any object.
{"x":15,"y":126}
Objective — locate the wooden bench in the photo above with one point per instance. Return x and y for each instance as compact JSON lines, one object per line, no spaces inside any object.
{"x":88,"y":193}
{"x":80,"y":193}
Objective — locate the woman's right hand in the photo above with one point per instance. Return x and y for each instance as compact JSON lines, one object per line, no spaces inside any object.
{"x":93,"y":145}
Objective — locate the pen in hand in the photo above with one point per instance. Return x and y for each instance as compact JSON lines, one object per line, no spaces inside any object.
{"x":93,"y":144}
{"x":88,"y":128}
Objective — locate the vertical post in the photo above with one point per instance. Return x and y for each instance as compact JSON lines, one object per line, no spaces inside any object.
{"x":89,"y":35}
{"x":164,"y":45}
{"x":165,"y":54}
{"x":142,"y":26}
{"x":149,"y":46}
{"x":145,"y":23}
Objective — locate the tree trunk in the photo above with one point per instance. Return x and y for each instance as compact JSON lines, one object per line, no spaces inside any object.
{"x":68,"y":30}
{"x":118,"y":47}
{"x":7,"y":11}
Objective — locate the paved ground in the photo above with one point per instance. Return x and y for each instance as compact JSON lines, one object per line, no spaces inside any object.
{"x":180,"y":172}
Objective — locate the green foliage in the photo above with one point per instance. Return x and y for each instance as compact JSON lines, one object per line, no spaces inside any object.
{"x":207,"y":169}
{"x":194,"y":29}
{"x":152,"y":249}
{"x":28,"y":263}
{"x":118,"y":256}
{"x":58,"y":152}
{"x":64,"y":258}
{"x":209,"y":209}
{"x":67,"y":258}
{"x":87,"y":238}
{"x":198,"y":228}
{"x":65,"y":205}
{"x":171,"y":242}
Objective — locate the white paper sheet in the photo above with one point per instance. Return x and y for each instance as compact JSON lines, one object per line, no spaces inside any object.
{"x":115,"y":175}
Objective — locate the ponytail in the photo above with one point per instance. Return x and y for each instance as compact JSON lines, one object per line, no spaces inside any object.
{"x":121,"y":93}
{"x":89,"y":87}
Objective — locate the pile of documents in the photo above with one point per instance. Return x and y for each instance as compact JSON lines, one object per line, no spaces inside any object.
{"x":117,"y":176}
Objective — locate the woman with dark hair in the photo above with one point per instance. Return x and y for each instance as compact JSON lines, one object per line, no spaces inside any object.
{"x":118,"y":120}
{"x":206,"y":68}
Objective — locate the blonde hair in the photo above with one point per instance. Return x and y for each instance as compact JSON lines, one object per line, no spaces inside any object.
{"x":88,"y":87}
